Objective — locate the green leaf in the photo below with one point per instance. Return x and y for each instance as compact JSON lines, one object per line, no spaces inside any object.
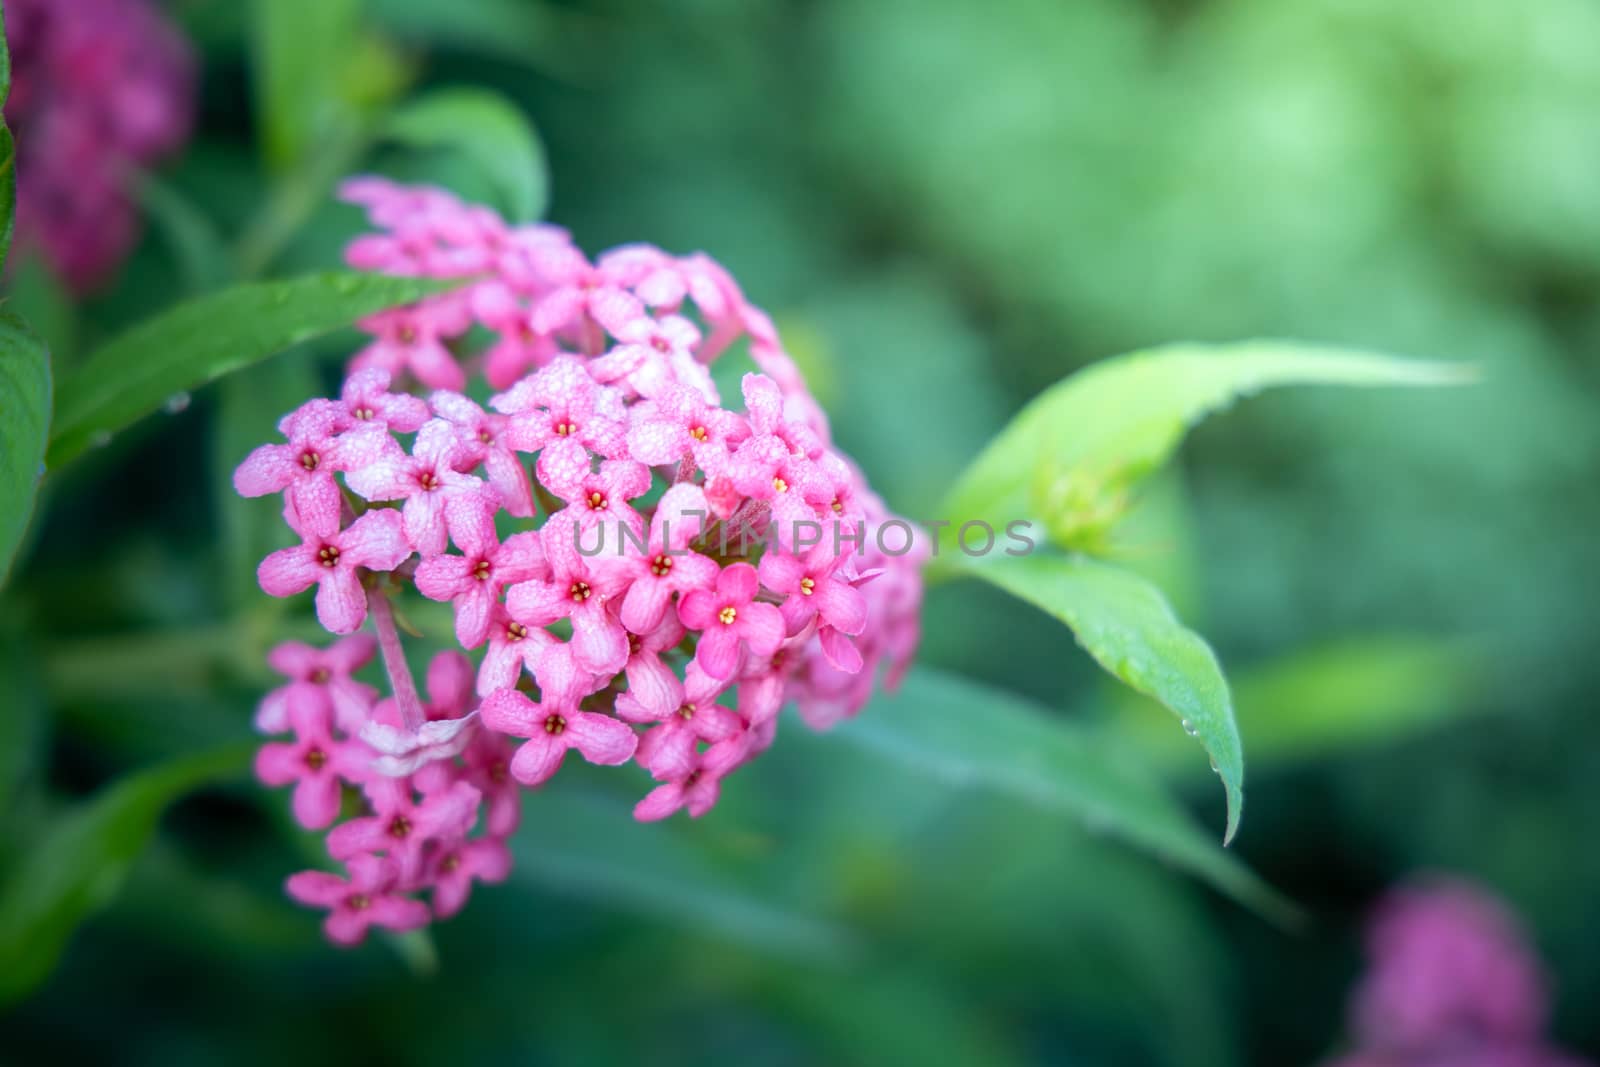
{"x":596,"y":852}
{"x":24,"y":428}
{"x":201,"y":340}
{"x":83,"y":860}
{"x":1337,"y":697}
{"x":1127,"y":626}
{"x":300,"y":46}
{"x":1074,"y":456}
{"x":974,"y":736}
{"x":492,"y":131}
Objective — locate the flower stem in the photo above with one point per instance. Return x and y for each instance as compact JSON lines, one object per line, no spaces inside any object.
{"x":394,"y":660}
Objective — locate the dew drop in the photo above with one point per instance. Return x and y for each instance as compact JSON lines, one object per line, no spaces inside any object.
{"x":1214,"y":768}
{"x":100,"y":438}
{"x":176,"y":403}
{"x":1190,"y":728}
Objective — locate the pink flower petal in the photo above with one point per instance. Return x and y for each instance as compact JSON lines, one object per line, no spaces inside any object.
{"x":290,"y":570}
{"x":600,"y":738}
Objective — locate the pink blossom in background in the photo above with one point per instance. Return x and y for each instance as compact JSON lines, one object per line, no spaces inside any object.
{"x":638,"y":571}
{"x":1452,"y":981}
{"x":99,"y":90}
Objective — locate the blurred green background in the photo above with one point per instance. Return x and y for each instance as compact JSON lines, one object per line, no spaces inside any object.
{"x":947,"y":206}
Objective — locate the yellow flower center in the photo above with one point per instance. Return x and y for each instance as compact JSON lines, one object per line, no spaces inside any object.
{"x":807,"y":586}
{"x":728,"y":614}
{"x":555,"y":726}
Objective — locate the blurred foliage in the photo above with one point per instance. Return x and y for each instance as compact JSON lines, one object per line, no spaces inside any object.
{"x":948,"y":206}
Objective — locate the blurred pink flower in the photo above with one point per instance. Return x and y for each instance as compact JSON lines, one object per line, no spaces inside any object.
{"x":99,"y":89}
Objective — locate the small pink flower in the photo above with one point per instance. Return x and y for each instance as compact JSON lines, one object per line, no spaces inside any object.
{"x":402,"y":827}
{"x":514,"y":645}
{"x":328,"y":668}
{"x":651,"y":273}
{"x":679,"y":426}
{"x":374,"y":541}
{"x":764,"y":682}
{"x":425,"y":480}
{"x":368,"y":898}
{"x":520,"y":347}
{"x":698,"y":788}
{"x":487,"y":765}
{"x":668,"y":749}
{"x":551,"y":731}
{"x":651,"y":682}
{"x":487,"y":861}
{"x":666,"y":565}
{"x":306,"y":465}
{"x":315,"y":762}
{"x":412,"y":339}
{"x":600,"y":499}
{"x":728,"y":615}
{"x":812,"y":592}
{"x":561,"y":413}
{"x":578,"y":592}
{"x":367,"y":400}
{"x":473,"y":581}
{"x":763,"y":468}
{"x":482,"y":440}
{"x":653,"y":354}
{"x":811,"y":589}
{"x":579,"y":288}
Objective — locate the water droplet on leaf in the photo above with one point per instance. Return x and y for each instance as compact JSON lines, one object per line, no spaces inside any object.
{"x":177,"y":402}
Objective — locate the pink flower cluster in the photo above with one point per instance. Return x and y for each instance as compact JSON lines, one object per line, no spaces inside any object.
{"x":1452,"y":983}
{"x":647,"y":575}
{"x":98,"y":88}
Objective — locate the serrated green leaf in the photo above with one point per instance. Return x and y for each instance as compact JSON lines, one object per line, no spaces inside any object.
{"x":975,"y":736}
{"x":201,"y":340}
{"x":1127,"y":626}
{"x":82,"y":862}
{"x":1075,"y":455}
{"x":24,"y":428}
{"x":489,"y":129}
